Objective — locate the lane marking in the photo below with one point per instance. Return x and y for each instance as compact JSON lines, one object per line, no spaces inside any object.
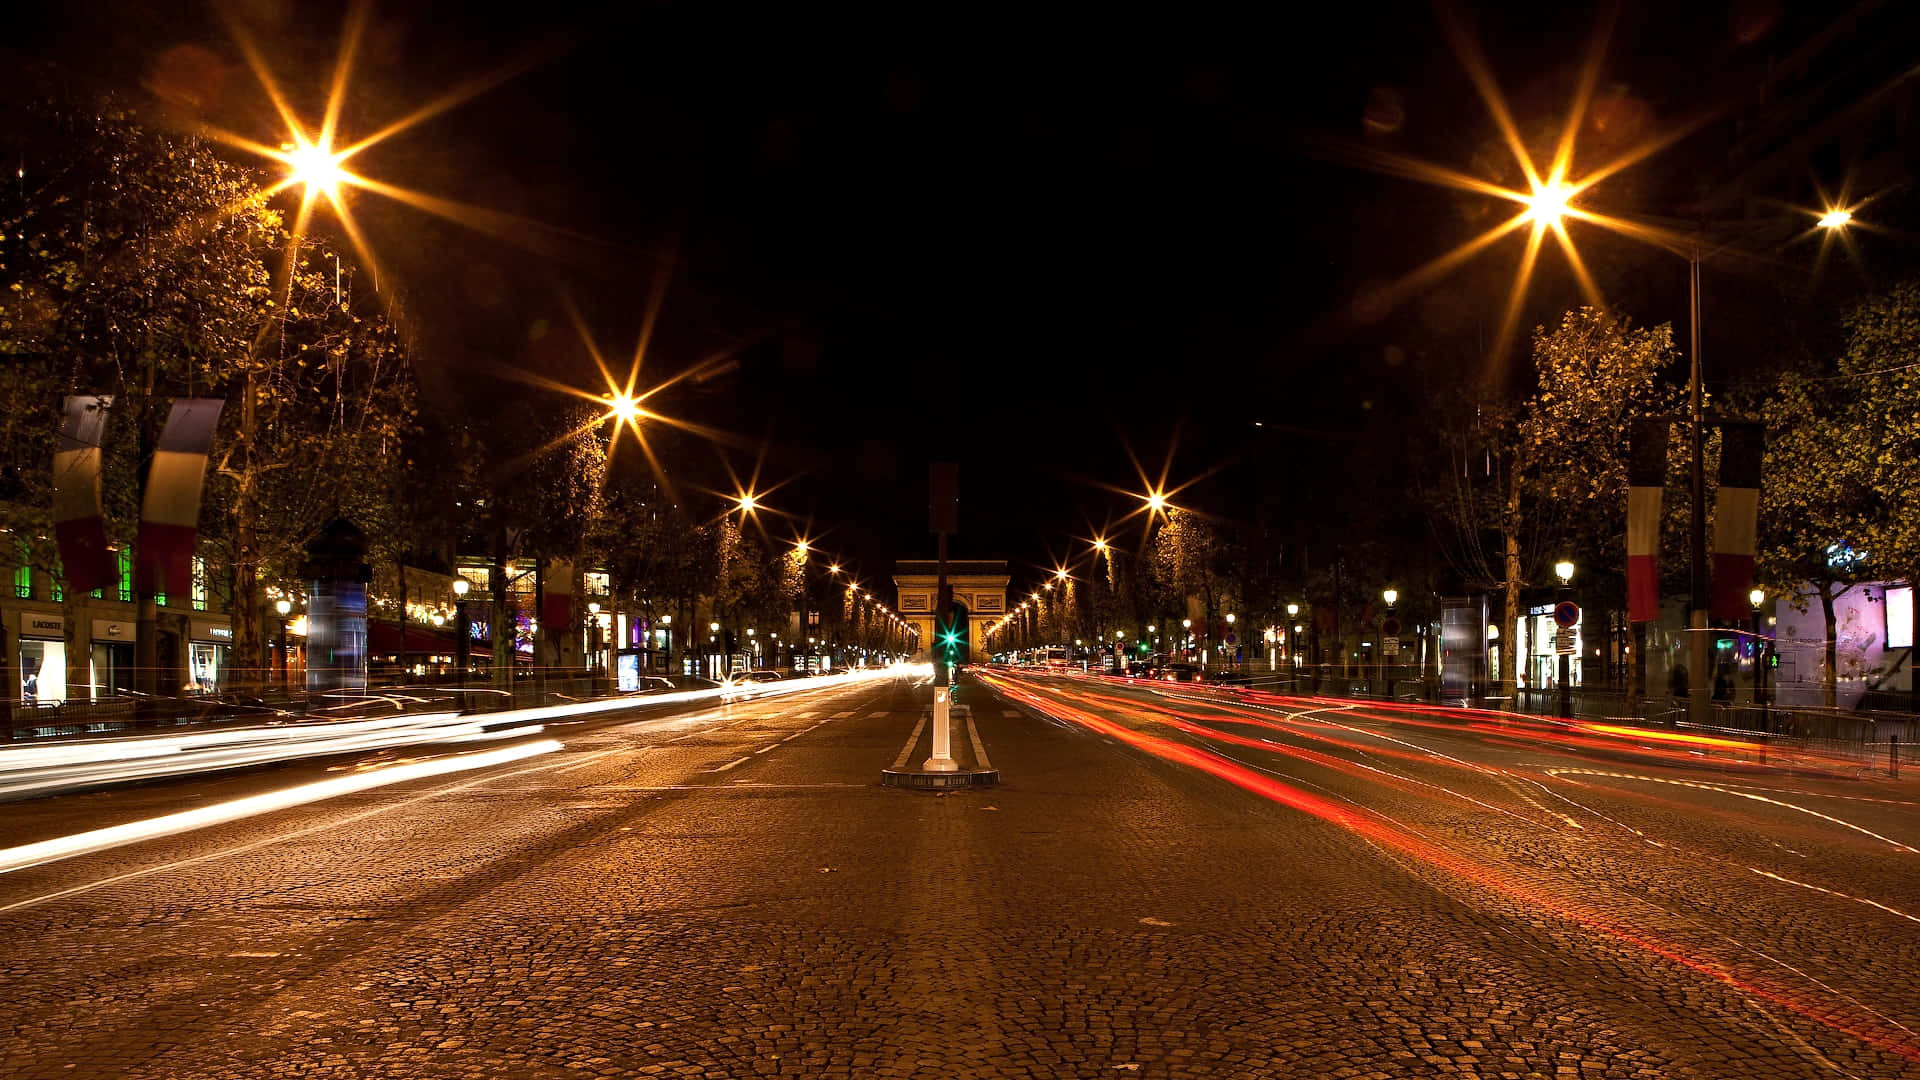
{"x":912,"y":741}
{"x":731,"y":764}
{"x":979,"y":751}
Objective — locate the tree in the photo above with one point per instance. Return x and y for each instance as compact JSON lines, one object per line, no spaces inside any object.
{"x":1531,"y":482}
{"x":1839,"y":476}
{"x":139,"y":265}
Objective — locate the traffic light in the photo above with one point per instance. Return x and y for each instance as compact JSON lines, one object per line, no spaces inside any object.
{"x":952,"y":636}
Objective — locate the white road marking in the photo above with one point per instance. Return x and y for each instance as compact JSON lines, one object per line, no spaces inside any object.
{"x":912,"y":740}
{"x":979,"y":750}
{"x":731,"y":764}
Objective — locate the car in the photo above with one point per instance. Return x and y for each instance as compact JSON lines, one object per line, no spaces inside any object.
{"x":655,"y":684}
{"x":1179,"y":672}
{"x":757,"y":676}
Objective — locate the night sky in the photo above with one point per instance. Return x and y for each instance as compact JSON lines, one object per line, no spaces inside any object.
{"x":1024,"y":240}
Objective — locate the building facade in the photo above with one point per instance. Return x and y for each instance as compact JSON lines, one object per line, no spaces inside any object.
{"x":979,"y":585}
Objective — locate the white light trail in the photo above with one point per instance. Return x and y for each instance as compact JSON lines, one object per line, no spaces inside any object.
{"x":27,"y":771}
{"x":65,"y":847}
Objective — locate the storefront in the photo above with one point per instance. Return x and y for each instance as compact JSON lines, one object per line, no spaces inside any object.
{"x":112,"y":659}
{"x":43,"y":658}
{"x":1539,"y":660}
{"x":208,"y":643}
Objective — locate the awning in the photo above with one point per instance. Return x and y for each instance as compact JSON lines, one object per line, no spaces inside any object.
{"x":383,"y":638}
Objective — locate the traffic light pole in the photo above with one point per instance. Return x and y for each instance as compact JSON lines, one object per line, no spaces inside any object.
{"x":942,"y":758}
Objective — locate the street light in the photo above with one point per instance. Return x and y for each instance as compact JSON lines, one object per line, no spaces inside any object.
{"x":591,"y":641}
{"x":1293,"y":613}
{"x":462,"y":630}
{"x":1760,"y":649}
{"x":1564,"y":571}
{"x":284,"y":607}
{"x":1391,"y":596}
{"x":1548,"y":202}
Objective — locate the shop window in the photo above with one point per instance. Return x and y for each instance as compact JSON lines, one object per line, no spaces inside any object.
{"x":597,"y":582}
{"x":199,"y":583}
{"x":23,"y":583}
{"x":123,"y":561}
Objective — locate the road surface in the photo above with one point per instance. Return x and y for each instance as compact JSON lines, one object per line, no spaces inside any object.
{"x":1169,"y":882}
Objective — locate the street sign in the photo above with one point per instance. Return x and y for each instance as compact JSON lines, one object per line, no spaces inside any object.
{"x":1390,"y":646}
{"x":1566,"y":613}
{"x":1563,"y":641}
{"x":1390,"y":627}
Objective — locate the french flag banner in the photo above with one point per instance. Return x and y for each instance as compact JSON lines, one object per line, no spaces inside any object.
{"x":79,"y":525}
{"x":556,"y":600}
{"x":1736,"y":519}
{"x":1646,"y":483}
{"x":170,"y":511}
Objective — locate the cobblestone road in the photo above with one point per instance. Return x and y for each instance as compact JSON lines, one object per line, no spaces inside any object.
{"x":1160,"y":887}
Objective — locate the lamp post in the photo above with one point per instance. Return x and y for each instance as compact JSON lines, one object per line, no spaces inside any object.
{"x":1233,"y":658}
{"x":461,"y":628}
{"x":285,"y":607}
{"x":1293,"y":642}
{"x":1760,"y":650}
{"x":1700,"y":689}
{"x":1389,"y":631}
{"x":800,"y":550}
{"x":602,"y":643}
{"x":713,"y":643}
{"x":591,"y":642}
{"x":1546,"y":206}
{"x":1564,"y":571}
{"x":1187,"y":646}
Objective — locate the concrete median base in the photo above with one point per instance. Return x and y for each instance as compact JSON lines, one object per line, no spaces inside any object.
{"x":975,"y":769}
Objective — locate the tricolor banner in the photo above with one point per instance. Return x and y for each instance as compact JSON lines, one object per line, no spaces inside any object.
{"x":1736,"y":519}
{"x":79,"y":525}
{"x":170,"y":511}
{"x":556,"y":601}
{"x":1646,"y":483}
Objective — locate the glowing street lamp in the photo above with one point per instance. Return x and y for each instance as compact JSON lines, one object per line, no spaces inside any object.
{"x":316,"y":167}
{"x":1835,"y":218}
{"x":1564,"y":571}
{"x":1548,"y":203}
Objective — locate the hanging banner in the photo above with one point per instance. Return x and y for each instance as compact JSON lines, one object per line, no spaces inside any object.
{"x":170,"y":512}
{"x":79,"y":526}
{"x":1646,"y":483}
{"x":1736,"y":519}
{"x":556,"y":605}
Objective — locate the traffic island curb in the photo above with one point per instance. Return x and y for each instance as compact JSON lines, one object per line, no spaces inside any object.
{"x":975,"y":770}
{"x":940,"y":781}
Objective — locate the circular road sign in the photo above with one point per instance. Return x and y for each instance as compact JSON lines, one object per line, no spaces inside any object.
{"x":1390,"y":627}
{"x":1566,"y":613}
